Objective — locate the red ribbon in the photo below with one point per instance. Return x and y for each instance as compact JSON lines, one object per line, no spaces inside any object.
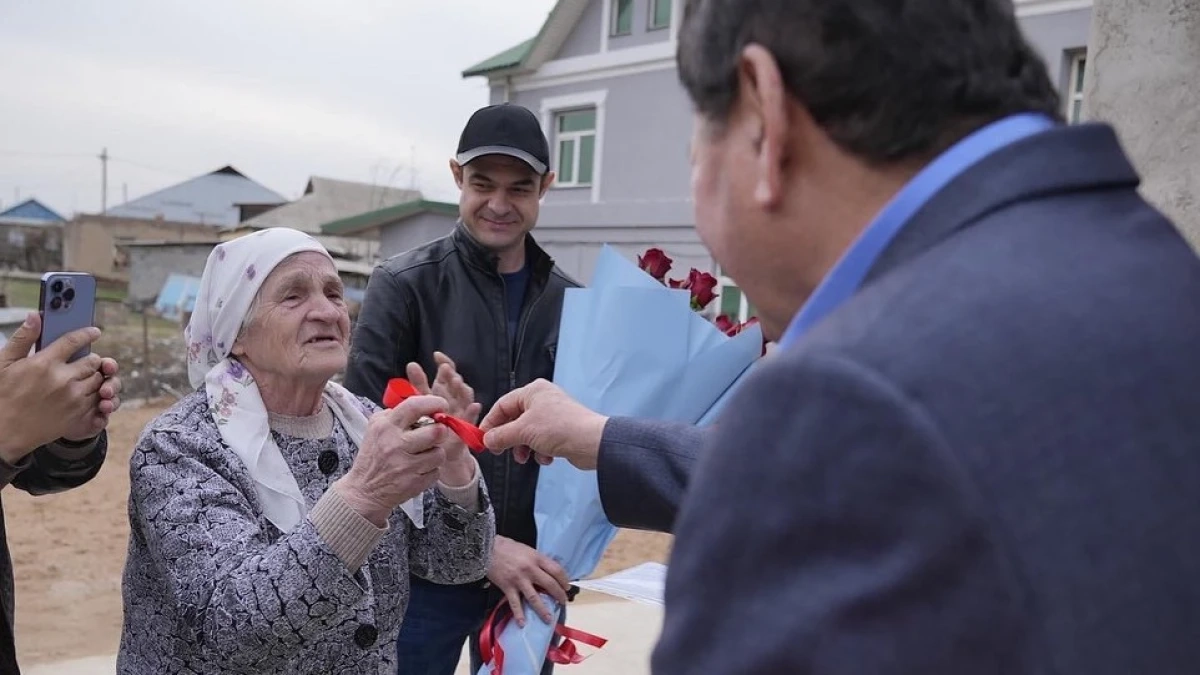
{"x":399,"y":389}
{"x":565,"y":653}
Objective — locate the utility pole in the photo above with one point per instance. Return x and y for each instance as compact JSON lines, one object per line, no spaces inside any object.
{"x":103,"y":181}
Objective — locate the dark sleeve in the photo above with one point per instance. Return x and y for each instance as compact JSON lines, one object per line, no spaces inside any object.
{"x":829,"y":530}
{"x":55,"y":468}
{"x":385,"y":337}
{"x":643,"y":470}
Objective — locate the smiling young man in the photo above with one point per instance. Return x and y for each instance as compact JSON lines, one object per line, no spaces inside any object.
{"x":488,"y":297}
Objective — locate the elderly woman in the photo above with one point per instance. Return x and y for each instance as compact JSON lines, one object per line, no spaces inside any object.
{"x":275,"y":517}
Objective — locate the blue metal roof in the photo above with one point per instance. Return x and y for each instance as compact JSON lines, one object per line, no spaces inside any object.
{"x":31,"y":210}
{"x":210,"y":199}
{"x":178,"y":295}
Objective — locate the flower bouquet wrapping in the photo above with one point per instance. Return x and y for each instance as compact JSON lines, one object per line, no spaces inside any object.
{"x":631,"y":344}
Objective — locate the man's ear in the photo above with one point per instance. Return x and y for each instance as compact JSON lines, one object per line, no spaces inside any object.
{"x":764,"y":102}
{"x":456,"y":170}
{"x":547,"y":181}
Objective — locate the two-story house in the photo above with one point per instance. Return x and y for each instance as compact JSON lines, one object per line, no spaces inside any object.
{"x":601,"y":73}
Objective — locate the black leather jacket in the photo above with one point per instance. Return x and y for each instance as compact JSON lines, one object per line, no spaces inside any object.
{"x":448,"y":296}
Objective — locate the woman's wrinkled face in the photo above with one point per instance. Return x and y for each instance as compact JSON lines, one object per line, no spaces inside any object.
{"x":299,"y":328}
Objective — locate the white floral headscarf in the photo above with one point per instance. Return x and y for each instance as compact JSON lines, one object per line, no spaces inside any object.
{"x":232,"y":277}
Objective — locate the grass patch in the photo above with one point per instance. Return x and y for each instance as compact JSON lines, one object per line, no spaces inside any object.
{"x":25,"y":292}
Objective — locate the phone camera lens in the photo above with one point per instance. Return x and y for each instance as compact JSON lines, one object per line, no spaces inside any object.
{"x":56,"y":303}
{"x":57,"y":286}
{"x":69,"y":294}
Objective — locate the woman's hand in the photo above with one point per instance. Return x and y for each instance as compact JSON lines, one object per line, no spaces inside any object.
{"x":459,"y":468}
{"x":395,"y":462}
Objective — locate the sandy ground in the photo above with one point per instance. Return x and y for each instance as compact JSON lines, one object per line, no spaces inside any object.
{"x":68,"y":551}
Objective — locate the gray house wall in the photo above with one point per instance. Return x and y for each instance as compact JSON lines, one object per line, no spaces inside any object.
{"x":644,"y":195}
{"x":588,"y":33}
{"x":149,"y":267}
{"x":1057,"y":37}
{"x":407,"y":234}
{"x":644,"y":148}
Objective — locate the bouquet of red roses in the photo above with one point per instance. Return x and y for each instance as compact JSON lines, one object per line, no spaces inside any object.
{"x":702,"y":285}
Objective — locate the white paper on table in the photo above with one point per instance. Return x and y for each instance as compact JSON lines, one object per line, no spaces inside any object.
{"x":642,"y":583}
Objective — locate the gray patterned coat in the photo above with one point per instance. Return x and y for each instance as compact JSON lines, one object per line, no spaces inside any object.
{"x":211,"y":586}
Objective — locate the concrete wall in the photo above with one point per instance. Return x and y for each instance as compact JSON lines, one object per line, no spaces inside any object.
{"x":89,"y":241}
{"x":149,"y":267}
{"x":1144,"y":79}
{"x":411,"y":232}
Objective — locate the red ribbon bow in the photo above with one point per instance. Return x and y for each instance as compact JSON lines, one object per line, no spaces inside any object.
{"x":399,"y":389}
{"x":565,"y":653}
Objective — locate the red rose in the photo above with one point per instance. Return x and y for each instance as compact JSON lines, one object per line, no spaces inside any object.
{"x":727,"y":325}
{"x":701,"y":284}
{"x":655,"y":263}
{"x":677,"y":283}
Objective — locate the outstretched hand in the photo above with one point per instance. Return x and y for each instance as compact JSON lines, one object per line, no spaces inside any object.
{"x":543,"y":420}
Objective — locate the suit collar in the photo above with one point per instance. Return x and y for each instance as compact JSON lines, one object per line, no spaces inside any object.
{"x":1058,"y":161}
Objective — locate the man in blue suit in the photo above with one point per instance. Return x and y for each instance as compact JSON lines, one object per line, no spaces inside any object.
{"x":977,"y":449}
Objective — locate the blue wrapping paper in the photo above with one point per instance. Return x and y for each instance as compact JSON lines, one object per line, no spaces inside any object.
{"x":628,"y":346}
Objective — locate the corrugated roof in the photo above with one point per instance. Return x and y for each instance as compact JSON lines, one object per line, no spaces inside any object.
{"x":327,"y":199}
{"x":210,"y":199}
{"x":366,"y":221}
{"x":31,"y":212}
{"x":508,"y":58}
{"x":532,"y":53}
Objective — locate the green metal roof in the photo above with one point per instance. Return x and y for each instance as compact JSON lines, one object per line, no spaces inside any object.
{"x":508,"y":58}
{"x":366,"y":221}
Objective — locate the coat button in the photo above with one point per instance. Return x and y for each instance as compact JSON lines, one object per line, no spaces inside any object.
{"x":366,"y":635}
{"x":327,"y":462}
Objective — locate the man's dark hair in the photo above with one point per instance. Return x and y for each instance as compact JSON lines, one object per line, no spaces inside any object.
{"x":888,"y":80}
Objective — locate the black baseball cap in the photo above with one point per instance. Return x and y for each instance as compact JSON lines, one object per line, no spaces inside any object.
{"x":505,"y":129}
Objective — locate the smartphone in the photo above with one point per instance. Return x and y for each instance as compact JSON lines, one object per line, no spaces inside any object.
{"x":67,"y":303}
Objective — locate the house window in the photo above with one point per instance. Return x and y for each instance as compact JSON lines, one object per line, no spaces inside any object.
{"x":733,"y":303}
{"x":575,"y":147}
{"x":1075,"y":88}
{"x":660,"y":14}
{"x":622,"y":17}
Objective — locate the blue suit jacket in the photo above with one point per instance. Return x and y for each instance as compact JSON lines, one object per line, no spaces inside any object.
{"x":987,"y":461}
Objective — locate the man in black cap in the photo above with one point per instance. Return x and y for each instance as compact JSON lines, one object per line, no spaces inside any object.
{"x":488,"y":297}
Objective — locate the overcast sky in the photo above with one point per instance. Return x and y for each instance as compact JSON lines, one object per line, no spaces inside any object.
{"x":280,"y":89}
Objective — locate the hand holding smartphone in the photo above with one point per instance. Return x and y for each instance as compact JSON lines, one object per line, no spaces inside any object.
{"x":67,"y":303}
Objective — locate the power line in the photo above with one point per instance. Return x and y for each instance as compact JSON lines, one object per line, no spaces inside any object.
{"x":26,"y":153}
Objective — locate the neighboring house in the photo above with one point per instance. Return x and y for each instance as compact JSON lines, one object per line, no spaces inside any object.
{"x":191,"y":211}
{"x":601,"y":74}
{"x":398,"y":228}
{"x":152,"y":263}
{"x":31,"y":237}
{"x":211,"y":199}
{"x":326,"y":200}
{"x":165,"y":273}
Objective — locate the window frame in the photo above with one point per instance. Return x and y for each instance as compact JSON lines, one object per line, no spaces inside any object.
{"x":723,"y":283}
{"x":615,"y":16}
{"x":1076,"y":72}
{"x":577,"y":137}
{"x":550,"y":108}
{"x":651,"y":4}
